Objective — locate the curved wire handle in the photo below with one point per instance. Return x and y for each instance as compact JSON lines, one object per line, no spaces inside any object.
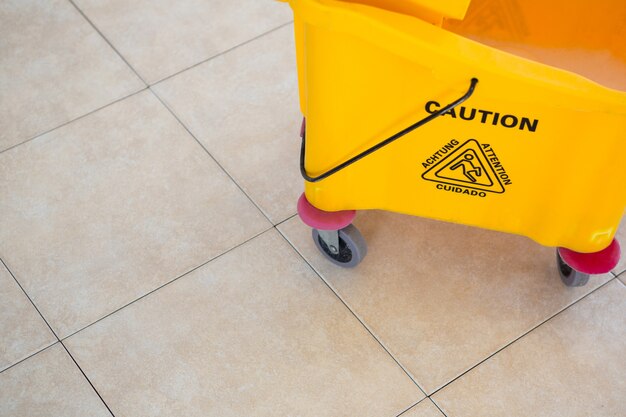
{"x":385,"y":142}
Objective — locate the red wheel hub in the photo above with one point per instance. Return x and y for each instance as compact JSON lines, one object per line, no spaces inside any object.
{"x":592,"y":263}
{"x":323,"y":220}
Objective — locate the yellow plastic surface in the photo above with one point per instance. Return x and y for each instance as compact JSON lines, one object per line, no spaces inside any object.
{"x":542,"y":154}
{"x":431,"y":11}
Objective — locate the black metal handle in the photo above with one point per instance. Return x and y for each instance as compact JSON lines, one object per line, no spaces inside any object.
{"x":385,"y":142}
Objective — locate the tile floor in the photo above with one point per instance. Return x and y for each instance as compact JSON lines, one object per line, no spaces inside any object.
{"x":151,"y":263}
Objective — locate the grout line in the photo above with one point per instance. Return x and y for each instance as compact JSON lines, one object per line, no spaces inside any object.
{"x":146,"y":85}
{"x":29,"y":356}
{"x":211,"y":156}
{"x":53,"y":344}
{"x":184,"y":69}
{"x":108,"y":42}
{"x":31,"y":301}
{"x":521,"y":336}
{"x":355,"y":315}
{"x":437,"y":405}
{"x":169,"y":282}
{"x":412,"y":406}
{"x":38,"y":312}
{"x":285,"y":220}
{"x":221,"y":53}
{"x":38,"y":135}
{"x":88,"y":380}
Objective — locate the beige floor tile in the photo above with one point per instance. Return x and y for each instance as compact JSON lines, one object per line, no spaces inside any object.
{"x":243,"y":106}
{"x":425,"y":408}
{"x":253,"y":333}
{"x":48,"y":385}
{"x":443,"y":297}
{"x":621,"y":238}
{"x":54,"y":68}
{"x":161,"y":37}
{"x":573,"y":366}
{"x":107,"y":208}
{"x":22,"y":330}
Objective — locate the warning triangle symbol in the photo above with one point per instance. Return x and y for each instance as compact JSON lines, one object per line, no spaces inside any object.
{"x":467,"y":166}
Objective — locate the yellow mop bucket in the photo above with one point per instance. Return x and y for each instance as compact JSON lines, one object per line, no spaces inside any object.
{"x":507,"y":115}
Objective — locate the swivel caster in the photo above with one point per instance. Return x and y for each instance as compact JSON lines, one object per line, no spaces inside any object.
{"x":345,"y":247}
{"x":333,"y":234}
{"x":575,"y":267}
{"x":570,"y":276}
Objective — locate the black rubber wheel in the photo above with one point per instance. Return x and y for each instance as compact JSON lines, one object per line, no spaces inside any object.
{"x":352,"y":247}
{"x":569,"y":276}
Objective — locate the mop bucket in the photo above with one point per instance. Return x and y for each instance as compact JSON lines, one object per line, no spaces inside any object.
{"x":509,"y":116}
